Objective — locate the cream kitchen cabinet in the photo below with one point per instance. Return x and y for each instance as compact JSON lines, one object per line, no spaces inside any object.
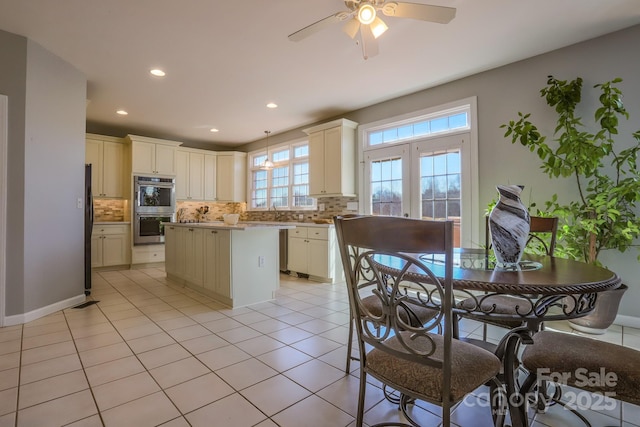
{"x":194,"y":255}
{"x":332,"y":154}
{"x":173,"y":240}
{"x":107,"y":157}
{"x":231,"y":176}
{"x":189,"y":175}
{"x":314,"y":251}
{"x":195,"y":175}
{"x":109,"y":245}
{"x":153,"y":156}
{"x":236,"y":265}
{"x":187,"y":250}
{"x":217,"y":269}
{"x":147,"y":254}
{"x":210,"y":178}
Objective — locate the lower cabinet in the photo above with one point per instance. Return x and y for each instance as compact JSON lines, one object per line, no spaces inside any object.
{"x":109,"y":245}
{"x":314,"y":251}
{"x":147,"y":254}
{"x":189,"y":247}
{"x":217,"y":271}
{"x":236,"y":267}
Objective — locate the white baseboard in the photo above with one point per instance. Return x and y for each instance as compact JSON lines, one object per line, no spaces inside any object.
{"x":19,"y":319}
{"x":630,"y":321}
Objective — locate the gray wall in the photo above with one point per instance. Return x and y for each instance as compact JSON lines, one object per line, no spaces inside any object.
{"x":13,"y":83}
{"x":503,"y":92}
{"x":47,"y":101}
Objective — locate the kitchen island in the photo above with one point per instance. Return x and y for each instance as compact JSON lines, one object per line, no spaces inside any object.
{"x":237,"y":265}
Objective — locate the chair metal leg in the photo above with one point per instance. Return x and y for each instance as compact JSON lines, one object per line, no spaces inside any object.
{"x":361,"y":396}
{"x":347,"y":368}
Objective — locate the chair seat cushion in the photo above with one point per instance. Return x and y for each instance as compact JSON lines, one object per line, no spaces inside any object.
{"x":498,"y":305}
{"x":413,"y":314}
{"x":471,"y":366}
{"x":581,"y":357}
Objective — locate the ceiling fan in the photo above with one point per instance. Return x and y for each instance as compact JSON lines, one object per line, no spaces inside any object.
{"x":363,"y":15}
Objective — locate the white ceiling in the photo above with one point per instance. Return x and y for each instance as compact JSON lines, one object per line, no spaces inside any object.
{"x":226,"y":59}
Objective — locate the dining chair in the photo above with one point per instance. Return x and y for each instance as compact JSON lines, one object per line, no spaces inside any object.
{"x":413,"y":314}
{"x":585,"y":363}
{"x":414,"y":360}
{"x":542,"y":238}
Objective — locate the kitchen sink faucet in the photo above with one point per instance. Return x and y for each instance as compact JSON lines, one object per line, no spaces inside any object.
{"x":277,"y":215}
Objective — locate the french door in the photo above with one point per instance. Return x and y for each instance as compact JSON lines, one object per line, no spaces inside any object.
{"x":427,"y":179}
{"x":388,"y":190}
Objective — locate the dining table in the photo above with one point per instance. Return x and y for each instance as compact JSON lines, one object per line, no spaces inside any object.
{"x":547,"y":288}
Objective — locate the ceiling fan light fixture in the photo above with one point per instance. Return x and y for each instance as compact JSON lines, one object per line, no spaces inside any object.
{"x":378,"y":27}
{"x":351,"y":27}
{"x":366,"y":14}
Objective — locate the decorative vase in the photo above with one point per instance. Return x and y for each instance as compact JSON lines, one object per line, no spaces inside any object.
{"x":509,"y":226}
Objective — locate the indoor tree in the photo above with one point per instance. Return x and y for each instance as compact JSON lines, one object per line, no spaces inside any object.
{"x":604,"y":214}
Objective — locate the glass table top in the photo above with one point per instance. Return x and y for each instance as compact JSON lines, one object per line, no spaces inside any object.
{"x":478,"y":259}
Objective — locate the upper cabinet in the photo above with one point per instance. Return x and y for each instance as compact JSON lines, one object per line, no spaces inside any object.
{"x":106,"y":155}
{"x":332,"y":159}
{"x":153,"y":156}
{"x":231,"y":175}
{"x":195,"y":175}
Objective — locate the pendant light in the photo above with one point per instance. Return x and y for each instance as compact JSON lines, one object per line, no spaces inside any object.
{"x":267,"y":165}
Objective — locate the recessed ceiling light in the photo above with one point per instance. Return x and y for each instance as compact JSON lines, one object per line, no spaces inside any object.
{"x":157,"y":72}
{"x":214,"y":130}
{"x":122,"y":112}
{"x":272,"y":105}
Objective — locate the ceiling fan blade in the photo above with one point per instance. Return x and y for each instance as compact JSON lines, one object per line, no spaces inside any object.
{"x":369,"y":43}
{"x":423,"y":12}
{"x":316,"y":26}
{"x":351,"y":27}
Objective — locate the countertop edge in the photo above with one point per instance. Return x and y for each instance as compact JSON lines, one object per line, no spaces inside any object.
{"x":223,"y":226}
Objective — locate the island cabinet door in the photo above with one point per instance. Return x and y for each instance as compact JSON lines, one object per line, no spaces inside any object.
{"x":217,"y":266}
{"x":170,"y":249}
{"x":179,"y":252}
{"x":194,"y":256}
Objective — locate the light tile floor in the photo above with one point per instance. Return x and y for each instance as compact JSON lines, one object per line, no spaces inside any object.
{"x":153,"y":353}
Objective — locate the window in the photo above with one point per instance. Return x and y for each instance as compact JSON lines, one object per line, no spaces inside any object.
{"x":386,"y":187}
{"x":429,"y":125}
{"x":286,"y":186}
{"x":424,"y":165}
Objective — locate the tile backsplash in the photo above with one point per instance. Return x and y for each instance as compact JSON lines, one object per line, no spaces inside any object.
{"x":109,"y":209}
{"x":332,"y":206}
{"x":195,"y":211}
{"x":115,"y":209}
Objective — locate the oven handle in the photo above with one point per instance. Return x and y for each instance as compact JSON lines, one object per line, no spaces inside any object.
{"x":155,"y":184}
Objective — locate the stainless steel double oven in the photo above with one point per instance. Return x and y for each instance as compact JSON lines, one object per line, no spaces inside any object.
{"x":154,"y":204}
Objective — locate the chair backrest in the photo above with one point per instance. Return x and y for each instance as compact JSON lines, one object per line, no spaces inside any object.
{"x":542,"y":232}
{"x":380,"y":256}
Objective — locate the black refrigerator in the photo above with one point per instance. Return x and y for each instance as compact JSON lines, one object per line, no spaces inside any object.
{"x":88,"y":228}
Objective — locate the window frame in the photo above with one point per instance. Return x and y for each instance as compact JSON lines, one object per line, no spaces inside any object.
{"x":471,"y":237}
{"x":290,"y":163}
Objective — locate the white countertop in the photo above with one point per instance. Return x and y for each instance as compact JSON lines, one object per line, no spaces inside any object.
{"x":112,"y":223}
{"x":251,"y":224}
{"x":242,"y":226}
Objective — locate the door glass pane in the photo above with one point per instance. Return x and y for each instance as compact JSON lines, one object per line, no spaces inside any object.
{"x":440,"y":178}
{"x":386,"y":187}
